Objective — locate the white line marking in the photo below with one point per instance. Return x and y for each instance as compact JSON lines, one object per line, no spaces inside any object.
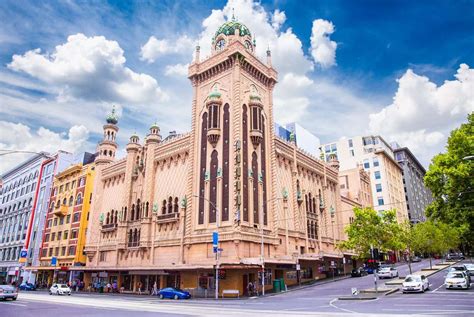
{"x":437,"y":288}
{"x":15,"y":304}
{"x":343,"y":309}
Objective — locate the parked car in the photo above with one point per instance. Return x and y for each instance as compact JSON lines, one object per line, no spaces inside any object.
{"x":470,"y":269}
{"x":27,"y":287}
{"x":173,"y":293}
{"x":387,"y":272}
{"x":8,"y":291}
{"x":455,"y":256}
{"x":359,"y":272}
{"x":60,"y":289}
{"x":416,"y":259}
{"x":457,"y":279}
{"x":415,"y":283}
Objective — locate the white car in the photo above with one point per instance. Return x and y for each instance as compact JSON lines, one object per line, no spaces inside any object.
{"x":387,"y":272}
{"x":60,"y":289}
{"x":457,"y":279}
{"x":415,"y":283}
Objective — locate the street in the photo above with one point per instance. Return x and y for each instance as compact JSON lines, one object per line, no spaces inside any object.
{"x":316,"y":300}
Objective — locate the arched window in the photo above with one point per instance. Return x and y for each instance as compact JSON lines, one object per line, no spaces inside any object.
{"x":71,"y":201}
{"x":125,"y":214}
{"x":170,"y":205}
{"x":163,"y":208}
{"x":64,"y":201}
{"x":176,"y":205}
{"x":79,"y":199}
{"x":116,"y":216}
{"x":135,"y":235}
{"x":132,"y":215}
{"x":138,"y":213}
{"x":306,"y":202}
{"x":107,"y":219}
{"x":58,"y":203}
{"x":51,"y":207}
{"x":310,"y":204}
{"x":146,"y":209}
{"x":130,"y":236}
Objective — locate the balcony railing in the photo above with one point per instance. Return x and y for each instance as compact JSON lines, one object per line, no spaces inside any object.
{"x":109,"y":227}
{"x":133,"y":244}
{"x":167,"y":217}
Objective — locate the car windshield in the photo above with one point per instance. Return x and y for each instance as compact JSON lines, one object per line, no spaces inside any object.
{"x":385,"y":269}
{"x":455,"y":275}
{"x":412,"y":279}
{"x":63,"y":286}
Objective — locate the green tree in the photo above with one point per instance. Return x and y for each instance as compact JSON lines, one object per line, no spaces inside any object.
{"x":369,"y":229}
{"x":450,"y":178}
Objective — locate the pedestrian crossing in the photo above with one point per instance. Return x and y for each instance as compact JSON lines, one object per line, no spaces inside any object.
{"x":168,"y":307}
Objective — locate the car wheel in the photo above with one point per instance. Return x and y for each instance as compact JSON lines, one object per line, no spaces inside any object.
{"x":176,"y":297}
{"x":14,"y":298}
{"x":161,"y":296}
{"x":50,"y":293}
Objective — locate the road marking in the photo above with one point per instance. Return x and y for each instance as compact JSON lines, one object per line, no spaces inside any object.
{"x":14,"y":304}
{"x":437,"y":288}
{"x":343,"y":309}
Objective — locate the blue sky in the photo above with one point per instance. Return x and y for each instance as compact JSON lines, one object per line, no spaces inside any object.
{"x":388,"y":67}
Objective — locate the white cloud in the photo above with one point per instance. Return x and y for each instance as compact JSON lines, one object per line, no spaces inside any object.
{"x":178,"y":70}
{"x":323,"y":49}
{"x":156,"y":48}
{"x":422,"y":113}
{"x":17,"y":136}
{"x":278,"y":18}
{"x":91,"y":68}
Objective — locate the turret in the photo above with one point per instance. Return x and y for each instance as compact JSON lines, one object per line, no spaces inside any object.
{"x":154,"y":135}
{"x":107,"y":148}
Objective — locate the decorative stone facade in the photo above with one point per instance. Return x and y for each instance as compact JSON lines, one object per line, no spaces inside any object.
{"x":272,"y":204}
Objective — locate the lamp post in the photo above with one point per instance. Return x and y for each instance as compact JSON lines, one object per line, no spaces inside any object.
{"x":217,"y":251}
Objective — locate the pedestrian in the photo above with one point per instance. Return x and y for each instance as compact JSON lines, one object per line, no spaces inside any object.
{"x":114,"y":287}
{"x":155,"y":289}
{"x":139,"y":286}
{"x":250,"y":288}
{"x":109,"y":287}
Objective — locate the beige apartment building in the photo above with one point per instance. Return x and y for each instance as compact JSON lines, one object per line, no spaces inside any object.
{"x":275,"y":208}
{"x":376,"y":157}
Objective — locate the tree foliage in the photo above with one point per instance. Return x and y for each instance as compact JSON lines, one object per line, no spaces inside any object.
{"x":450,"y":178}
{"x":370,"y":229}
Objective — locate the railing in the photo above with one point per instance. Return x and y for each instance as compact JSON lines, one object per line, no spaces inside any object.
{"x":133,"y":244}
{"x":167,"y":217}
{"x":109,"y":227}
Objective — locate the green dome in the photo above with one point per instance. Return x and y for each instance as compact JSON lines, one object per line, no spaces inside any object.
{"x":229,"y":28}
{"x":112,"y":117}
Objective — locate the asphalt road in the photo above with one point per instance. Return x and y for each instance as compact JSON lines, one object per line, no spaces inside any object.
{"x":317,"y":300}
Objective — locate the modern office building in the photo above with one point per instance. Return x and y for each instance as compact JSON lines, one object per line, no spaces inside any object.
{"x":375,"y":156}
{"x":417,"y":195}
{"x":303,"y":139}
{"x":19,"y":187}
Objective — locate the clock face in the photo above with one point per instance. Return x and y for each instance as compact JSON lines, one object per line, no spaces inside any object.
{"x":220,"y":45}
{"x":248,"y":45}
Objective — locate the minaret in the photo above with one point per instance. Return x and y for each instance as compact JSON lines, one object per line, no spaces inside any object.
{"x":108,"y":146}
{"x":198,"y":54}
{"x":269,"y":57}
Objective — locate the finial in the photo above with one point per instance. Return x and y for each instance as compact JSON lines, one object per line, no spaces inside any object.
{"x":268,"y":50}
{"x":233,"y":15}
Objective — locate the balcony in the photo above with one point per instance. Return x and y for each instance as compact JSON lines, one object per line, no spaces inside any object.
{"x":166,"y":218}
{"x":213,"y":135}
{"x":256,"y":136}
{"x":109,"y":227}
{"x":61,"y":211}
{"x":133,"y":244}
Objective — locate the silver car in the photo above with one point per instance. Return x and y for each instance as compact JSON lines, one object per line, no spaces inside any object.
{"x":8,"y":291}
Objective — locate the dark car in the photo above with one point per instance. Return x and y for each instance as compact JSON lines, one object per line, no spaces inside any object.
{"x":455,"y":256}
{"x":8,"y":291}
{"x":173,"y":293}
{"x":359,"y":272}
{"x":27,"y":287}
{"x":416,"y":259}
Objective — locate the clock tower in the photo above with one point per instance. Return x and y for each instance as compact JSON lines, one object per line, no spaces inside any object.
{"x":232,"y":136}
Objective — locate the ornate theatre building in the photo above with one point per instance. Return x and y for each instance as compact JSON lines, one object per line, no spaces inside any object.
{"x":274,"y":206}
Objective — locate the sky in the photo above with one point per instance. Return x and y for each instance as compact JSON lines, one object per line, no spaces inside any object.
{"x":401,"y":69}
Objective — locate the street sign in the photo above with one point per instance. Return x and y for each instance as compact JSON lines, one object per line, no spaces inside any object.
{"x":332,"y":263}
{"x":214,"y":249}
{"x":215,"y":239}
{"x":354,"y":291}
{"x":23,"y":253}
{"x":54,"y":260}
{"x":343,"y":260}
{"x":298,"y":267}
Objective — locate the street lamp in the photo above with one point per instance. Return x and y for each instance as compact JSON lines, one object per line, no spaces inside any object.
{"x":217,"y":251}
{"x":468,"y":158}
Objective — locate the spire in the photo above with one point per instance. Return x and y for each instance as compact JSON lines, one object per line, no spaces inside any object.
{"x":112,"y":117}
{"x":269,"y":56}
{"x":233,"y":15}
{"x":198,"y":52}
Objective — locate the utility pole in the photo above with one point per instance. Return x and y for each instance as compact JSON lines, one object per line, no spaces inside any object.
{"x":375,"y":274}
